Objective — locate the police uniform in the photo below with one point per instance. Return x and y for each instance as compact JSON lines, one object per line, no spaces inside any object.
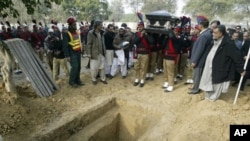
{"x":143,"y":52}
{"x":152,"y":57}
{"x":36,"y":42}
{"x":72,"y":51}
{"x":171,"y":55}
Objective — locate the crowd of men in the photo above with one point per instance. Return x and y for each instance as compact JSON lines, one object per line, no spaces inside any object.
{"x":214,"y":54}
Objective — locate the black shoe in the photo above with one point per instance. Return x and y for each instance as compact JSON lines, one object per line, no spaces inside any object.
{"x":80,"y":84}
{"x":141,"y":84}
{"x":136,"y":83}
{"x":73,"y":85}
{"x":151,"y":78}
{"x":192,"y":92}
{"x":104,"y":82}
{"x":147,"y":78}
{"x":234,"y":84}
{"x":94,"y":82}
{"x":110,"y":77}
{"x":241,"y":89}
{"x":123,"y":77}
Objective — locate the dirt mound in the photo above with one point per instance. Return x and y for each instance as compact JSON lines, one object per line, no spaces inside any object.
{"x":181,"y":116}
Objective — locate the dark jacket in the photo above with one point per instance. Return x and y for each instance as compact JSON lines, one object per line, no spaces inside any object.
{"x":93,"y":48}
{"x":177,"y":42}
{"x":108,"y":40}
{"x":244,"y":52}
{"x":199,"y":53}
{"x":141,"y":48}
{"x":55,"y":45}
{"x":226,"y":61}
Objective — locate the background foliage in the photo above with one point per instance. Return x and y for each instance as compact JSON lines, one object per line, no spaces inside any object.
{"x":236,"y":11}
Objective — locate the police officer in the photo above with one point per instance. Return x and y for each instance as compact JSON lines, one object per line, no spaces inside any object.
{"x":72,"y":52}
{"x":143,"y":51}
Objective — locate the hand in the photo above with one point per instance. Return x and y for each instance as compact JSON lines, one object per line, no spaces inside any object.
{"x":193,"y":65}
{"x":142,"y":33}
{"x":243,"y":73}
{"x":135,"y":60}
{"x":68,"y":59}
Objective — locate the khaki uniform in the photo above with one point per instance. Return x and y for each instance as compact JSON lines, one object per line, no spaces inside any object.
{"x":143,"y":52}
{"x":56,"y":66}
{"x":141,"y":66}
{"x":169,"y":71}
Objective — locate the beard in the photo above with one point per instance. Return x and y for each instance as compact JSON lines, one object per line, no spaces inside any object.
{"x":72,"y":28}
{"x":121,"y":35}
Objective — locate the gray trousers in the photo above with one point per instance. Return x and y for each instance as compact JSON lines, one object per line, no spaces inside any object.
{"x":197,"y":72}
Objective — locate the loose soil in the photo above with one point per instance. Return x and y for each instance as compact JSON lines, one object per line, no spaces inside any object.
{"x":186,"y":117}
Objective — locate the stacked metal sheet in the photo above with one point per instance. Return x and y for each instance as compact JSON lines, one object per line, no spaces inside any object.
{"x":32,"y":66}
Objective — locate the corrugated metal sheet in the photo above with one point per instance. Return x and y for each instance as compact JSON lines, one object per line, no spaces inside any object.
{"x":32,"y":67}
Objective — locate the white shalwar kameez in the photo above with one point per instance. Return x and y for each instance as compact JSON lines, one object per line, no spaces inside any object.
{"x":212,"y":91}
{"x":119,"y":62}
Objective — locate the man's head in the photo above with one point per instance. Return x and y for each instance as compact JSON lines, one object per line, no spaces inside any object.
{"x":196,"y":30}
{"x":35,"y":28}
{"x":245,"y":36}
{"x":64,"y":29}
{"x":235,"y":36}
{"x":116,"y":29}
{"x":71,"y":20}
{"x":26,"y":28}
{"x":187,"y":29}
{"x":128,"y":29}
{"x":72,"y":24}
{"x":110,"y":28}
{"x":98,"y":25}
{"x":122,"y":31}
{"x":177,"y":30}
{"x":219,"y":32}
{"x":19,"y":28}
{"x":124,"y":25}
{"x":202,"y":22}
{"x":238,"y":28}
{"x":51,"y":31}
{"x":140,"y":26}
{"x":4,"y":28}
{"x":214,"y":24}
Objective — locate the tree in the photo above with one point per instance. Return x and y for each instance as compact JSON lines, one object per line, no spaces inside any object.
{"x":240,"y":11}
{"x":230,"y":10}
{"x":155,"y":5}
{"x":135,"y":5}
{"x":147,"y":6}
{"x":89,"y":9}
{"x":7,"y":7}
{"x":129,"y":18}
{"x":46,"y":15}
{"x":117,"y":10}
